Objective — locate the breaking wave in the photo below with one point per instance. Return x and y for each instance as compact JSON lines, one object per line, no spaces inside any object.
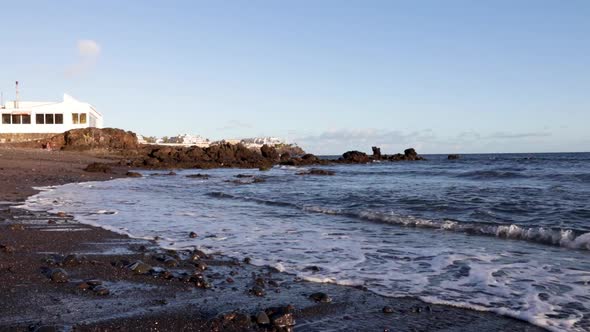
{"x":567,"y":238}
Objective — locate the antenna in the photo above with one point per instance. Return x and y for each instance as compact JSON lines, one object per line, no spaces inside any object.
{"x":16,"y":100}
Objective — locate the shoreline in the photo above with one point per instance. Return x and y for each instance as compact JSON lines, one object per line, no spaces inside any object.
{"x":140,"y":302}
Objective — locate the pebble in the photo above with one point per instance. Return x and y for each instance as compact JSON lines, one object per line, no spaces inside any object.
{"x":230,"y":280}
{"x":320,"y":297}
{"x":192,"y":235}
{"x":170,"y":262}
{"x":101,"y":290}
{"x":257,"y":291}
{"x":387,"y":310}
{"x":262,"y":318}
{"x":247,"y":260}
{"x":133,"y":174}
{"x":59,"y":275}
{"x":140,"y":267}
{"x":200,"y":266}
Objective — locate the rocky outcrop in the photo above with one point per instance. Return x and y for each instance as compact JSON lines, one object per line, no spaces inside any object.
{"x":94,"y":138}
{"x":355,"y":157}
{"x":376,"y":153}
{"x":222,"y":155}
{"x":453,"y":157}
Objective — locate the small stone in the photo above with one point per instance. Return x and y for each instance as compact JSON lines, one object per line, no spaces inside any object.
{"x":170,"y":262}
{"x":247,"y":260}
{"x":51,"y":222}
{"x":257,"y":291}
{"x":192,"y":235}
{"x":320,"y":297}
{"x":61,"y":214}
{"x":262,"y":318}
{"x":200,"y":266}
{"x":58,"y":275}
{"x":83,"y":286}
{"x":312,"y":268}
{"x":387,"y":310}
{"x":229,"y":280}
{"x":283,"y":319}
{"x":140,"y":267}
{"x":133,"y":174}
{"x":101,"y":290}
{"x":93,"y":282}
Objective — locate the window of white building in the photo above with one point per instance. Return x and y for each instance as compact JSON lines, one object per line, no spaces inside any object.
{"x":8,"y":118}
{"x":42,"y":118}
{"x":79,"y":118}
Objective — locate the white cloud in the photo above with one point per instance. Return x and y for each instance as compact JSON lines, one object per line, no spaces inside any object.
{"x":88,"y":54}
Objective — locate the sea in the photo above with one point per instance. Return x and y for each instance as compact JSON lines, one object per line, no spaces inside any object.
{"x":508,"y":233}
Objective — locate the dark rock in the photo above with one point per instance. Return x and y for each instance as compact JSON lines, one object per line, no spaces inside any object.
{"x":101,"y":290}
{"x":317,"y":171}
{"x":139,"y":267}
{"x":247,"y":260}
{"x":257,"y":291}
{"x":320,"y":297}
{"x":310,"y":158}
{"x":269,"y":152}
{"x":192,"y":235}
{"x":312,"y":268}
{"x":376,"y":153}
{"x":285,"y":156}
{"x":98,"y":168}
{"x":201,"y":266}
{"x":355,"y":157}
{"x":229,"y":280}
{"x":198,"y":176}
{"x":133,"y":175}
{"x":410,"y":154}
{"x":282,"y":320}
{"x":258,"y":180}
{"x":58,"y":275}
{"x":170,"y":262}
{"x":93,"y":282}
{"x":262,"y":318}
{"x":240,"y":176}
{"x":95,"y":138}
{"x":453,"y":157}
{"x":387,"y":310}
{"x":197,"y":255}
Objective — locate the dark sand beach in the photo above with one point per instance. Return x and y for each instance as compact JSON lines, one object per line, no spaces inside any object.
{"x":105,"y":291}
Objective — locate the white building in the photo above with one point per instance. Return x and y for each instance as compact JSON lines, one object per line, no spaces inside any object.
{"x":29,"y":117}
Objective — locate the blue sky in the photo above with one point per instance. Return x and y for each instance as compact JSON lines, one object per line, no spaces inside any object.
{"x":441,"y":76}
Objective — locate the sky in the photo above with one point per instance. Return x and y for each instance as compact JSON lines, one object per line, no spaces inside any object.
{"x":440,"y":76}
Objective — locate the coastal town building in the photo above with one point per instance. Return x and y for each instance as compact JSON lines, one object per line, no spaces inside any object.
{"x":31,"y":119}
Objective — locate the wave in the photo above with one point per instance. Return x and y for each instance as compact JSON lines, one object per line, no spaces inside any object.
{"x":492,"y":175}
{"x":567,"y":238}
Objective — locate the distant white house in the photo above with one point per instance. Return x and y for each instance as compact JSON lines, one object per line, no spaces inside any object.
{"x":30,"y":117}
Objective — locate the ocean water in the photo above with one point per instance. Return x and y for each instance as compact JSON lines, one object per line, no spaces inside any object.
{"x":506,"y":233}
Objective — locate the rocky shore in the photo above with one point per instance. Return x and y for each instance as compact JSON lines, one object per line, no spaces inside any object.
{"x":60,"y":275}
{"x":124,"y":146}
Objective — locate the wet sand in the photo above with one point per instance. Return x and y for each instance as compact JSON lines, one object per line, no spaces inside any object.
{"x":177,"y":294}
